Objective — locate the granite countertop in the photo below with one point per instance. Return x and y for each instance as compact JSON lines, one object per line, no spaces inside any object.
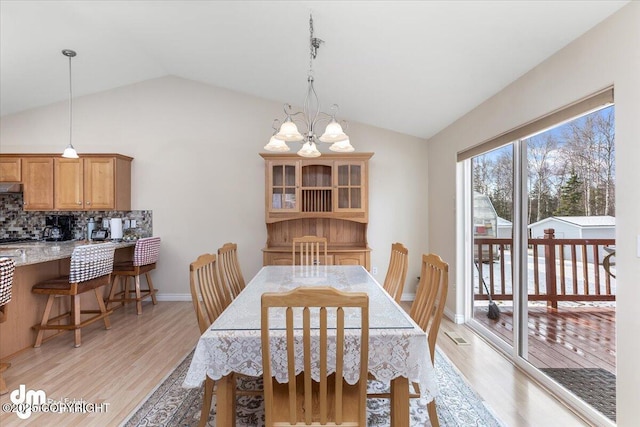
{"x":37,"y":252}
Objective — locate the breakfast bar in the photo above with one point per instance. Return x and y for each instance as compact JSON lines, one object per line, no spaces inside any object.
{"x":36,"y":262}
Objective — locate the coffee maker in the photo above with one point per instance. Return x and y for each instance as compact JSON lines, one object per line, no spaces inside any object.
{"x":57,"y":228}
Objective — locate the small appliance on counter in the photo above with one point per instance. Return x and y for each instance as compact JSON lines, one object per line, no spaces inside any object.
{"x":57,"y":228}
{"x":99,"y":234}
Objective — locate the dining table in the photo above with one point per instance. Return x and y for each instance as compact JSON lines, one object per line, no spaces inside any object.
{"x":398,"y":347}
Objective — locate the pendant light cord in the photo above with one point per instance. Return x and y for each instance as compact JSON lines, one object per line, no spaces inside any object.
{"x":70,"y":105}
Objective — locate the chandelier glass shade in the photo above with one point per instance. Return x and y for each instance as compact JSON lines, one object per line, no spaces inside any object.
{"x":69,"y":151}
{"x":310,"y":117}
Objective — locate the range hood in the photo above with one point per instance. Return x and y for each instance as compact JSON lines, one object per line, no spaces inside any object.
{"x":10,"y":187}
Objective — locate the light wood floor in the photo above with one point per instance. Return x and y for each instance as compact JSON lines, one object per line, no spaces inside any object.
{"x":123,"y":365}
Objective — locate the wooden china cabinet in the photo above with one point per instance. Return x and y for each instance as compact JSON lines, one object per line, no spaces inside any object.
{"x":325,"y":196}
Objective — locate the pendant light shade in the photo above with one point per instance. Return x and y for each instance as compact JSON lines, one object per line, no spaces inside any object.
{"x":70,"y":152}
{"x":289,"y":132}
{"x":276,"y":144}
{"x":309,"y":149}
{"x":342,"y":146}
{"x":333,"y":133}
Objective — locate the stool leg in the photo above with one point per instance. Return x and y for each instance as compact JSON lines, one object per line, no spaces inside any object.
{"x":138,"y":299}
{"x":75,"y":319}
{"x":45,"y":319}
{"x":103,"y":310}
{"x":3,"y":385}
{"x":152,"y":290}
{"x":112,"y":292}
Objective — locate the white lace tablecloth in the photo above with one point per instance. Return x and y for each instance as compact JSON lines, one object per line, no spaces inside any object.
{"x":397,"y":346}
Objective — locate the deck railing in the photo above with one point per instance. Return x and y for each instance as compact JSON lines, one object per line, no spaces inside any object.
{"x":562,"y":269}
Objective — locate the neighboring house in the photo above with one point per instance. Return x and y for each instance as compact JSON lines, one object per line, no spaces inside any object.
{"x":576,"y":227}
{"x":505,"y":228}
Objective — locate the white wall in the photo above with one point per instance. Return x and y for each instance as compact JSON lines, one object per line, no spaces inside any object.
{"x":608,"y":54}
{"x":196,"y":165}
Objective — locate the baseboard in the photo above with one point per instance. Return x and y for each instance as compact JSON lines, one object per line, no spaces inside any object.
{"x":455,"y":318}
{"x":173,"y":297}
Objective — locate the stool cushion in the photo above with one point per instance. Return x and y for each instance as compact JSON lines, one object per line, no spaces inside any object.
{"x":7,"y":268}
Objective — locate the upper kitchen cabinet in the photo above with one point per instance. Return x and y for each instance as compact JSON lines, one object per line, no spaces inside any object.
{"x":93,"y":182}
{"x":10,"y":169}
{"x":37,"y":180}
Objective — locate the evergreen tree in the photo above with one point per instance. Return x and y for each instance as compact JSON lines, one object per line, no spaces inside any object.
{"x":571,"y":197}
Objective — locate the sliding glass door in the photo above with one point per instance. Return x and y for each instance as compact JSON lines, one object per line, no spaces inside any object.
{"x":540,"y":266}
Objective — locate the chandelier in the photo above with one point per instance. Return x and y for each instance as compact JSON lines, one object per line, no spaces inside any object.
{"x":309,"y":117}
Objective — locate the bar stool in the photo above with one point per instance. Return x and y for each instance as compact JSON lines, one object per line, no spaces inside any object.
{"x":145,"y":256}
{"x":91,"y":267}
{"x":7,"y":268}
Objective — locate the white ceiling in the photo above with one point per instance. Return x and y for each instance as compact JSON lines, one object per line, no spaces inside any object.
{"x":408,"y":66}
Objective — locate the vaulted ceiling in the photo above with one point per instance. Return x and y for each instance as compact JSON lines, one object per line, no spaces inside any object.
{"x":409,"y":66}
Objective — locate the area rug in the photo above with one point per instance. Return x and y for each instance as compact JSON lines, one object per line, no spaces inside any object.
{"x":172,"y":405}
{"x":595,"y":386}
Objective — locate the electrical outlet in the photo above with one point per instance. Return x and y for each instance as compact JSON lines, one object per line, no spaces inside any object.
{"x":374,"y":270}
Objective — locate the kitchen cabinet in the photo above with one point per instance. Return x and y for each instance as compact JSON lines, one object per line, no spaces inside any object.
{"x":93,"y":182}
{"x":325,"y":196}
{"x":37,"y":179}
{"x":10,"y":169}
{"x":51,"y":182}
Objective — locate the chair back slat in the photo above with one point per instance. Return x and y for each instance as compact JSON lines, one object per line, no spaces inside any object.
{"x":320,"y":402}
{"x":207,"y":290}
{"x":147,"y":251}
{"x":91,"y":261}
{"x":312,"y":250}
{"x":397,"y":271}
{"x":428,"y":307}
{"x":229,"y":268}
{"x":7,"y":269}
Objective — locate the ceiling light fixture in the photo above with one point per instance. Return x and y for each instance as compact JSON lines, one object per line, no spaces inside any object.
{"x":311,"y":117}
{"x":70,"y":152}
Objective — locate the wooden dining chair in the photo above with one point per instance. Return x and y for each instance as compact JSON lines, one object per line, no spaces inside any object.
{"x":210,"y":297}
{"x":331,"y":401}
{"x":7,"y":269}
{"x":145,"y":257}
{"x":397,"y":271}
{"x":229,"y":268}
{"x":91,"y":267}
{"x":428,"y":307}
{"x":208,"y":293}
{"x":312,"y":250}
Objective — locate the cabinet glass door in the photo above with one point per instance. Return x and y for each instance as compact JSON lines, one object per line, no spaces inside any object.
{"x":284,"y":187}
{"x":349,"y":186}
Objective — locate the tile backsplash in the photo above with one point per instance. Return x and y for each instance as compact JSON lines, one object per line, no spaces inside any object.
{"x":18,"y":224}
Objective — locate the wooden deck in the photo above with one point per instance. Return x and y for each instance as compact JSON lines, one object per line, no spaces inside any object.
{"x":566,"y":337}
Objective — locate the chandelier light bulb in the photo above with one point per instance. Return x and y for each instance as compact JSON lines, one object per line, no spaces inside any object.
{"x":333,"y":133}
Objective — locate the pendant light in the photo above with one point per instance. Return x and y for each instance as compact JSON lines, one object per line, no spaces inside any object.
{"x":310,"y":117}
{"x":70,"y":152}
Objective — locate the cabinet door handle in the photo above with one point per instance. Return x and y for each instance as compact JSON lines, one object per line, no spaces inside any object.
{"x":79,"y":203}
{"x":88,"y":202}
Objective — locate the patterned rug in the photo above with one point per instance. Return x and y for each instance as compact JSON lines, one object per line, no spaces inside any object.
{"x":172,"y":405}
{"x":595,"y":386}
